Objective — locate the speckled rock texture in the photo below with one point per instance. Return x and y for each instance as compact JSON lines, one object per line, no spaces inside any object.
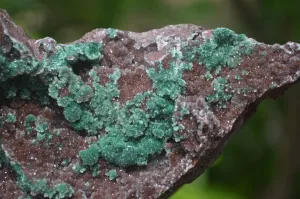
{"x":120,"y":114}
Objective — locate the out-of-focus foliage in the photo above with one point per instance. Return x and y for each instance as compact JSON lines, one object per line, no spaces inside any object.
{"x":261,"y":160}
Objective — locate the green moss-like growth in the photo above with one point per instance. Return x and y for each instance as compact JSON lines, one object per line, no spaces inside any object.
{"x":11,"y":118}
{"x":112,"y":174}
{"x":224,"y":49}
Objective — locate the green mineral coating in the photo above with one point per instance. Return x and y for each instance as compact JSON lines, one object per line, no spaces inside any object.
{"x":118,"y":150}
{"x":10,"y":92}
{"x":218,"y":70}
{"x":184,"y":111}
{"x":175,"y":83}
{"x":237,"y":77}
{"x":30,"y":118}
{"x":224,"y":49}
{"x":244,"y":72}
{"x":84,"y":94}
{"x":42,"y":129}
{"x":73,"y":112}
{"x":26,"y":88}
{"x":89,"y":51}
{"x":38,"y":186}
{"x":65,"y":162}
{"x":176,"y":53}
{"x":208,"y":76}
{"x":273,"y":85}
{"x":25,"y":94}
{"x":44,"y":99}
{"x":22,"y":180}
{"x":27,"y":197}
{"x":90,"y":156}
{"x":189,"y":53}
{"x":112,"y":174}
{"x":23,"y":65}
{"x":59,"y":146}
{"x":64,"y":101}
{"x":82,"y":170}
{"x":11,"y":118}
{"x":62,"y":190}
{"x":76,"y":167}
{"x":95,"y":170}
{"x":220,"y":96}
{"x":59,"y":191}
{"x":160,"y":129}
{"x":43,"y":136}
{"x":136,"y":130}
{"x":133,"y":134}
{"x":28,"y":122}
{"x":3,"y":158}
{"x":263,"y":53}
{"x":112,"y":33}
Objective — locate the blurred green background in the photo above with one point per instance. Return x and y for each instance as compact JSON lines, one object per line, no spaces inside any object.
{"x":262,"y":159}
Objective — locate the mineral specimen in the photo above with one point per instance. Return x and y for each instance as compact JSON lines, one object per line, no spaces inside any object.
{"x":127,"y":115}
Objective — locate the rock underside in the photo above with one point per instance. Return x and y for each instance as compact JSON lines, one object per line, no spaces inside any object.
{"x":119,"y":114}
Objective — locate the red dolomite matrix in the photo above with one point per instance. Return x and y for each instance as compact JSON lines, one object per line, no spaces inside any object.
{"x":182,"y":89}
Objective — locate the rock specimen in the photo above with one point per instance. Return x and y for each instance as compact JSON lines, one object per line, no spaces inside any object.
{"x":127,"y":115}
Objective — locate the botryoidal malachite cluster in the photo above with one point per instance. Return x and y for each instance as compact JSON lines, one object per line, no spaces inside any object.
{"x":136,"y":130}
